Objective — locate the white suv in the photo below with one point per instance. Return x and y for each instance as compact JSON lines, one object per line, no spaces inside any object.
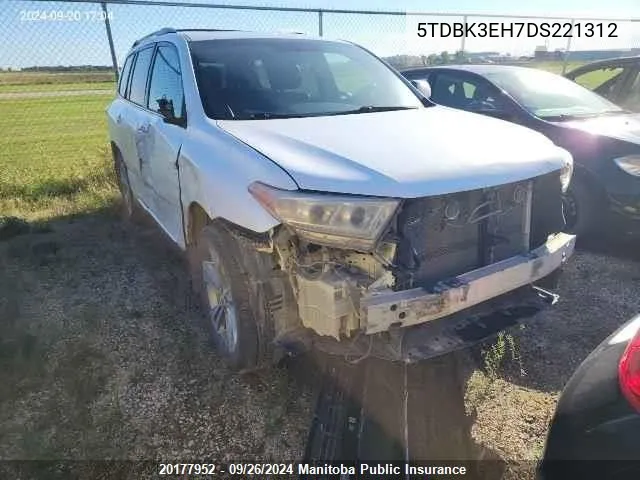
{"x":324,"y":201}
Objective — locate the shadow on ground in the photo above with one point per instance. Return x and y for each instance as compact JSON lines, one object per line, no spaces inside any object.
{"x":104,"y":358}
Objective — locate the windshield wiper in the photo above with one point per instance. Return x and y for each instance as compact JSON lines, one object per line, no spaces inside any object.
{"x":363,"y":109}
{"x":583,"y":116}
{"x":372,"y":108}
{"x":268,"y":115}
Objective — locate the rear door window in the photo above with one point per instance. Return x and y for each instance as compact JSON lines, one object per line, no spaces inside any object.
{"x":165,"y":89}
{"x":465,"y":92}
{"x":449,"y":89}
{"x":138,"y":87}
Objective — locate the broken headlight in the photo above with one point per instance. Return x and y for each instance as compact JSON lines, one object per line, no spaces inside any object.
{"x":344,"y":221}
{"x":630,"y":164}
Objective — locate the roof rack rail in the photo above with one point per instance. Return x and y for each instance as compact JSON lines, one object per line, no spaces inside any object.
{"x":208,"y":30}
{"x":166,"y":30}
{"x":162,"y":31}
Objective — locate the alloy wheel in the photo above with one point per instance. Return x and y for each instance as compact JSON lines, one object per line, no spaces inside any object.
{"x":222,"y":310}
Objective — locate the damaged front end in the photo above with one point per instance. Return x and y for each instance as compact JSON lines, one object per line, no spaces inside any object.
{"x":444,"y":271}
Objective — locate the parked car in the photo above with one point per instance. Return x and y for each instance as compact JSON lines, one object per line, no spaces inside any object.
{"x":616,"y":79}
{"x":324,"y":201}
{"x":603,"y":138}
{"x":595,"y":429}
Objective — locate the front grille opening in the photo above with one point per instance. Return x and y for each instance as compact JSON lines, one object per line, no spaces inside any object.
{"x":446,"y":235}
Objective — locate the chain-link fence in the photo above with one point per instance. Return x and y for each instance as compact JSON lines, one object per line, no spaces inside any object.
{"x":59,"y":61}
{"x":80,"y":32}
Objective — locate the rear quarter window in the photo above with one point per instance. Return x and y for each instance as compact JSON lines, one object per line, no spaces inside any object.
{"x":124,"y":76}
{"x":138,"y":87}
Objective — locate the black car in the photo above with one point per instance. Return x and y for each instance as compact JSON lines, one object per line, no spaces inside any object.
{"x":603,"y":138}
{"x":616,"y":79}
{"x":595,"y":432}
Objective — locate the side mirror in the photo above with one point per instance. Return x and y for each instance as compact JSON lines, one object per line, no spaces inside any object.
{"x":423,"y":87}
{"x":165,"y":108}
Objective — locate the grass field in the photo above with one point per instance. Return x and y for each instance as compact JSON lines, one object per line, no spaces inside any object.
{"x":54,"y":156}
{"x":57,"y":87}
{"x":39,"y":78}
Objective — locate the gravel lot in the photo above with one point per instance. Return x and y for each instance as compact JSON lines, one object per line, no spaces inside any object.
{"x":100,"y":356}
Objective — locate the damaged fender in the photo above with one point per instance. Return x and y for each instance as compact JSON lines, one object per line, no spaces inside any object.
{"x":200,"y":164}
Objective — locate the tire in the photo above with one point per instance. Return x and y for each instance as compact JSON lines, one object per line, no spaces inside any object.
{"x":224,"y":294}
{"x":129,"y":210}
{"x":580,"y":207}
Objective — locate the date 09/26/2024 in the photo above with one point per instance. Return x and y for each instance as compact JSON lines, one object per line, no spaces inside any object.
{"x":229,"y":469}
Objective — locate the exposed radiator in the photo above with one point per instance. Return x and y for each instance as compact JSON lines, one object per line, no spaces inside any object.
{"x":446,"y":235}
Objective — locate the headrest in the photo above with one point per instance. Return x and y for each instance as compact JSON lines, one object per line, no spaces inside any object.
{"x":212,"y":76}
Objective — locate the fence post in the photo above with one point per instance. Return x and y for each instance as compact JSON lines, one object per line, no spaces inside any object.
{"x":320,"y":26}
{"x":568,"y":49}
{"x":107,"y":25}
{"x":464,"y":38}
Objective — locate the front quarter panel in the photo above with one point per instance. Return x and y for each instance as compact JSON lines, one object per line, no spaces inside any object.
{"x":215,"y":172}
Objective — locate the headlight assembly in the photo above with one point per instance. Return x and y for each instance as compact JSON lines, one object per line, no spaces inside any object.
{"x":566,"y":172}
{"x":630,"y":164}
{"x":344,"y":221}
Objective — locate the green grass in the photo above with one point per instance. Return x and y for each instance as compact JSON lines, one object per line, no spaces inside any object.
{"x":30,"y":78}
{"x":58,"y":87}
{"x":54,"y":156}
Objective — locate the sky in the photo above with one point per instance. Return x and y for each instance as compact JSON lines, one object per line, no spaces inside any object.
{"x":28,"y":38}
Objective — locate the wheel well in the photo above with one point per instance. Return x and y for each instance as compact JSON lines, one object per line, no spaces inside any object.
{"x":115,"y":151}
{"x":117,"y":157}
{"x":197,"y":219}
{"x":587,"y":177}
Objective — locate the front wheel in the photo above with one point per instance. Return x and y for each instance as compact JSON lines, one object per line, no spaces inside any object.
{"x":223,"y":292}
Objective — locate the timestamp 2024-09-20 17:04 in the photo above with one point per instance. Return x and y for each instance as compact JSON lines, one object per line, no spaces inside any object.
{"x":56,"y":15}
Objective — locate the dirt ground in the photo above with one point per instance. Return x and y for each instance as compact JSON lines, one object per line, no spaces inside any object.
{"x":101,"y":356}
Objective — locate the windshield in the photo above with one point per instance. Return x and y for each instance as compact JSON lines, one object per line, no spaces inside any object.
{"x":280,"y":77}
{"x":550,"y":96}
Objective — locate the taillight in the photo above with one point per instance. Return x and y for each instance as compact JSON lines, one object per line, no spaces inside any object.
{"x":629,"y":372}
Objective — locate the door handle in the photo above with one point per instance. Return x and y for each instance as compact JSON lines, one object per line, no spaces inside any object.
{"x":144,"y":128}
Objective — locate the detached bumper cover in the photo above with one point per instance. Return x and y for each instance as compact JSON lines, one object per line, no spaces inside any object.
{"x":384,"y":310}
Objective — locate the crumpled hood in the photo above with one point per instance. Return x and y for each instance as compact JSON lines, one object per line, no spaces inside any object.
{"x":403,"y":154}
{"x":620,"y":127}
